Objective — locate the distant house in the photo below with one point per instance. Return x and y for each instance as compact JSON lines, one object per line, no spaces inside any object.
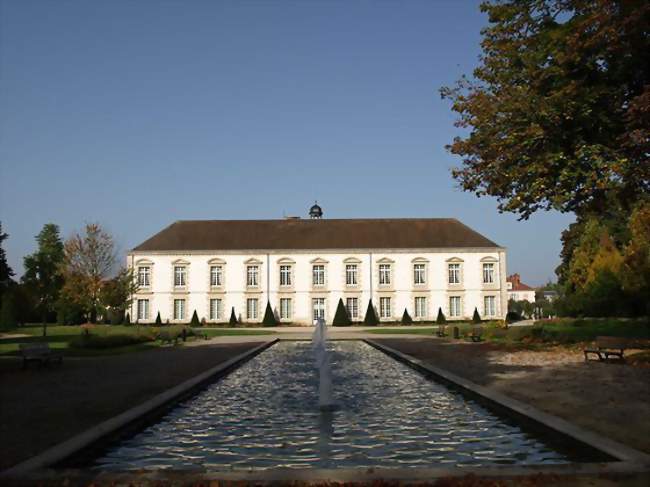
{"x":519,"y":291}
{"x":549,"y":295}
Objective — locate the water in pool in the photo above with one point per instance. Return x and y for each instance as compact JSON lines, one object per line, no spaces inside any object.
{"x":265,"y":415}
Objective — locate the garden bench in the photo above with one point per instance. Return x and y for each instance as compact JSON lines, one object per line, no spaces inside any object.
{"x":39,"y":352}
{"x":604,"y":347}
{"x":476,"y":334}
{"x":442,"y":332}
{"x":166,"y":337}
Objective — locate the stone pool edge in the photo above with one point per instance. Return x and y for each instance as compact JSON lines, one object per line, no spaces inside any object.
{"x":96,"y":434}
{"x":623,"y":454}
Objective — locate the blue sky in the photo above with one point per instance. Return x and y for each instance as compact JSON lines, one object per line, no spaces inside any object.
{"x":136,"y":114}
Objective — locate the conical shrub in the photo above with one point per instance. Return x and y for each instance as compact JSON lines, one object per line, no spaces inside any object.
{"x":233,"y":317}
{"x":341,"y":317}
{"x":158,"y":320}
{"x":195,"y":319}
{"x":476,"y":318}
{"x":269,"y":316}
{"x":441,"y":320}
{"x":406,"y":318}
{"x":371,"y":316}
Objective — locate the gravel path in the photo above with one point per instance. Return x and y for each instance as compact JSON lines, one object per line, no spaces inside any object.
{"x":608,"y":398}
{"x":42,"y":407}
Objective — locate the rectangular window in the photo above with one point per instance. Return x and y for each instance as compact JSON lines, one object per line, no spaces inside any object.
{"x":318,"y":275}
{"x":384,"y":308}
{"x":143,"y":309}
{"x":252,"y":276}
{"x":216,"y":275}
{"x":420,"y":307}
{"x":179,"y":309}
{"x":489,"y":306}
{"x":352,"y":305}
{"x":285,"y":308}
{"x":216,"y":312}
{"x":351,"y":275}
{"x":454,"y":273}
{"x":318,"y":307}
{"x":144,"y":274}
{"x":454,"y":306}
{"x":285,"y":275}
{"x":384,"y":274}
{"x":488,"y":273}
{"x":251,"y":309}
{"x":419,"y":274}
{"x":179,"y":276}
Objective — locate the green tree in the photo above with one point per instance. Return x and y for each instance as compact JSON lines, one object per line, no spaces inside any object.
{"x":43,"y":271}
{"x":88,"y":263}
{"x":117,"y":293}
{"x":6,"y":272}
{"x":476,"y":318}
{"x":8,"y":315}
{"x":341,"y":317}
{"x":406,"y":318}
{"x":269,"y":317}
{"x":371,"y":316}
{"x":556,"y":115}
{"x":441,"y":320}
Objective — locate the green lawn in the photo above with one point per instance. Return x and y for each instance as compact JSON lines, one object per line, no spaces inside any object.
{"x":404,"y":330}
{"x":106,"y":339}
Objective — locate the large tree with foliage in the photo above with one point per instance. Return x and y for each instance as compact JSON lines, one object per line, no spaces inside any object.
{"x":6,"y":272}
{"x":89,"y":260}
{"x":117,"y":294}
{"x":557,"y":114}
{"x":43,"y":271}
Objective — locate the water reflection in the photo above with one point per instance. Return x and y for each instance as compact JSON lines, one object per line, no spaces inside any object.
{"x":266,"y":414}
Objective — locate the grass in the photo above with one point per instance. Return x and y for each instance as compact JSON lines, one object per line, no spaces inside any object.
{"x":103,"y":339}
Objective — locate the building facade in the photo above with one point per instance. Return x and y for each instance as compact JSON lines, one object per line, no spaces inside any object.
{"x":303,"y":267}
{"x":518,"y":291}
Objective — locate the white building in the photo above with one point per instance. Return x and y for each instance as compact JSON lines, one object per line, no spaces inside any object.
{"x":303,"y":267}
{"x":518,"y":291}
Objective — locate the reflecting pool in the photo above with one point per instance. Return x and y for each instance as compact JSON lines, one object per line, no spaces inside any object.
{"x":266,"y":415}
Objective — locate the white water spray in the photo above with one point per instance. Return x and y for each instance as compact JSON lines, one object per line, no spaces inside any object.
{"x":319,"y":343}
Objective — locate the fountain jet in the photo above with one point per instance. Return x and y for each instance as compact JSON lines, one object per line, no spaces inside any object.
{"x":319,"y":342}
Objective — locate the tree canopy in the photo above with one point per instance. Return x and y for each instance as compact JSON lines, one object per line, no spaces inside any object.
{"x":6,"y":272}
{"x":557,"y":114}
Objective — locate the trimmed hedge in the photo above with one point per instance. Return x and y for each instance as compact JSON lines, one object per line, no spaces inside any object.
{"x":110,"y":341}
{"x":441,"y":320}
{"x":341,"y":318}
{"x":406,"y":318}
{"x":269,"y":316}
{"x":371,"y":316}
{"x":233,"y":317}
{"x":476,"y":318}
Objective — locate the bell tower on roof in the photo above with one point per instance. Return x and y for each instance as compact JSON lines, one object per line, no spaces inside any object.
{"x":315,"y":212}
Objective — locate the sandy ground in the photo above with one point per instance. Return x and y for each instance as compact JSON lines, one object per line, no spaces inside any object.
{"x":608,"y":398}
{"x":42,"y":407}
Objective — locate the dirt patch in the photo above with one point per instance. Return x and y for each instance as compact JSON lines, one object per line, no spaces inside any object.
{"x":44,"y":406}
{"x":609,"y":398}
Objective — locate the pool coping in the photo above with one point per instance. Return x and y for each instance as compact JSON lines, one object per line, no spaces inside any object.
{"x":622,"y":454}
{"x":43,"y":467}
{"x":96,"y":434}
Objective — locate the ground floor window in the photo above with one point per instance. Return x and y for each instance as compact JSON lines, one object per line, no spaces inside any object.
{"x":179,"y":309}
{"x":489,"y":306}
{"x":143,"y":309}
{"x":285,"y":308}
{"x":216,"y":312}
{"x":318,"y":307}
{"x":420,"y":307}
{"x":352,"y":306}
{"x":384,"y":308}
{"x":454,"y":306}
{"x":251,"y":309}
